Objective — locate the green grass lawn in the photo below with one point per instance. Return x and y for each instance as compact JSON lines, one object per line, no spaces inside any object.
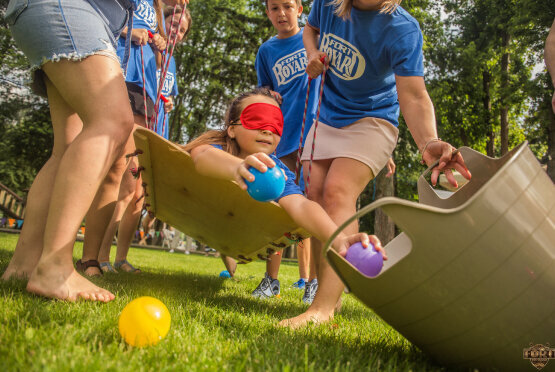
{"x":216,"y":325}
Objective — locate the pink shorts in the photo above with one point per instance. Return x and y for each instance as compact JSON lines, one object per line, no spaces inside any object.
{"x":368,"y":140}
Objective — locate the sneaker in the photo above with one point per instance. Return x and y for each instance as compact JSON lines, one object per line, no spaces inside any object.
{"x":310,"y":291}
{"x":267,"y":288}
{"x":299,"y":284}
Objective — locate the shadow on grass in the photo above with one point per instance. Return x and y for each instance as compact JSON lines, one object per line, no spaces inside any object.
{"x":287,"y":347}
{"x":206,"y":291}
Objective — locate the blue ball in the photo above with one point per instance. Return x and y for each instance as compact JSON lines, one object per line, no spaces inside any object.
{"x":225,"y":274}
{"x":266,"y":186}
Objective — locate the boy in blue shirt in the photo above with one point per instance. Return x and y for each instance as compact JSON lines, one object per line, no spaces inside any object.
{"x":280,"y":66}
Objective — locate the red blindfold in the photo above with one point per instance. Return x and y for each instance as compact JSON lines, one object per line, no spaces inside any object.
{"x":262,"y":116}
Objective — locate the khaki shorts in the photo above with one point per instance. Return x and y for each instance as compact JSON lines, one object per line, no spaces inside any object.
{"x":368,"y":140}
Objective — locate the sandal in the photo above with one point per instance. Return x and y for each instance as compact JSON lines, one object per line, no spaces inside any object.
{"x":132,"y":269}
{"x":82,"y":266}
{"x":107,"y":267}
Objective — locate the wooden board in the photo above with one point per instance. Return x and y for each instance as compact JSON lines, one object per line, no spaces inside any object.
{"x":215,"y":212}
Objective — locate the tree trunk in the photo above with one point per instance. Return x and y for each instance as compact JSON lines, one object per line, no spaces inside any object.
{"x":505,"y":59}
{"x":490,"y":146}
{"x":384,"y":227}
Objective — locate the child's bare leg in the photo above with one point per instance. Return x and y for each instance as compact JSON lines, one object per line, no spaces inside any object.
{"x":303,"y":255}
{"x":30,"y":242}
{"x":107,"y":123}
{"x":100,"y":214}
{"x":273,"y":264}
{"x":126,"y":186}
{"x":129,"y":223}
{"x":230,"y":264}
{"x":345,"y":179}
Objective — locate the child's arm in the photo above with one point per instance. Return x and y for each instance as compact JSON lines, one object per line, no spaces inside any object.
{"x":213,"y":162}
{"x":418,"y":111}
{"x":310,"y":40}
{"x":312,"y":217}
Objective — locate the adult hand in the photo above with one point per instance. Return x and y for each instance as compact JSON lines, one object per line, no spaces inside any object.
{"x":448,"y":160}
{"x":342,"y":243}
{"x":259,"y":161}
{"x":315,"y":65}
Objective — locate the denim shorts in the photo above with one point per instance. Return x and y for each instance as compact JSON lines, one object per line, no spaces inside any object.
{"x":51,"y":30}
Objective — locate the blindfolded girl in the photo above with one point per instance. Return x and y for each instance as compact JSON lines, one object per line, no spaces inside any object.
{"x":252,"y":131}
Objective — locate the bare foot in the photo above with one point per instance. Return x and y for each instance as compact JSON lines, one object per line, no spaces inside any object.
{"x":16,"y":271}
{"x":306,"y":318}
{"x":338,"y":306}
{"x":92,"y":271}
{"x":61,"y":281}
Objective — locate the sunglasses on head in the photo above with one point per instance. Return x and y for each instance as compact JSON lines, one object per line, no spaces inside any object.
{"x":262,"y":116}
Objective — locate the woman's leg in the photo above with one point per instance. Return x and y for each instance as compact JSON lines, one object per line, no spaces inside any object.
{"x":107,"y":122}
{"x":30,"y":242}
{"x":344,"y":180}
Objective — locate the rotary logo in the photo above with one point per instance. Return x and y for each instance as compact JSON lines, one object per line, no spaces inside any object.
{"x":346,"y":62}
{"x":539,"y":355}
{"x":147,"y":13}
{"x":290,"y":66}
{"x":168,"y":83}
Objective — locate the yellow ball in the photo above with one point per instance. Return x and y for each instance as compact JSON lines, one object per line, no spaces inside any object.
{"x":144,"y":321}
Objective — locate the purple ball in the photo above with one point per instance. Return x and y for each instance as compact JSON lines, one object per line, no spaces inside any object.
{"x":367,"y":260}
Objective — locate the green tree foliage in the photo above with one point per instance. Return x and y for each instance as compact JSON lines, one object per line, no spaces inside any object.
{"x":27,"y":139}
{"x":216,"y":62}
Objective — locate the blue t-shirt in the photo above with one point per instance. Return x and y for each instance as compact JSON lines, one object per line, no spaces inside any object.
{"x":291,"y":187}
{"x":144,"y":17}
{"x":280,"y":65}
{"x":366,"y":52}
{"x":168,"y":89}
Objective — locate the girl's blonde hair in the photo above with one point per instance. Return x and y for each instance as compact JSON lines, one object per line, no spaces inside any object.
{"x":343,"y":7}
{"x":232,"y":115}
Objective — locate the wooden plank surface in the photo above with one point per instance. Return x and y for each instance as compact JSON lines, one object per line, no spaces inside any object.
{"x":215,"y":212}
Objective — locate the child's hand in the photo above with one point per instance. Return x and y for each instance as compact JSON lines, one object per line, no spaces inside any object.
{"x":342,"y":243}
{"x":276,"y":96}
{"x":176,"y":2}
{"x":139,"y":36}
{"x":168,"y":105}
{"x":315,"y":65}
{"x":259,"y":161}
{"x":390,"y":167}
{"x":157,"y":42}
